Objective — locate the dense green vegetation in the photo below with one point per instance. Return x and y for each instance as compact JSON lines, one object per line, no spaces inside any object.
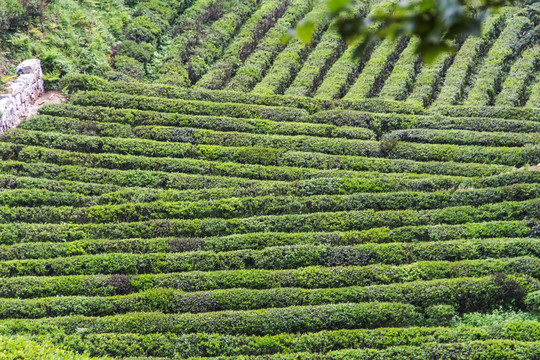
{"x":218,"y":193}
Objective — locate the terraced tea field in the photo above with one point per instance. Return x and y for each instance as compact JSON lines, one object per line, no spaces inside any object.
{"x":290,"y":204}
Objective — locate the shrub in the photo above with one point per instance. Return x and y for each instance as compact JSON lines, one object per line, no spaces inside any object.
{"x":256,"y":64}
{"x":256,"y":322}
{"x":533,"y":302}
{"x":437,"y":298}
{"x":143,"y":29}
{"x":205,"y":345}
{"x":243,"y":44}
{"x":142,"y":52}
{"x":440,"y":315}
{"x":77,"y":82}
{"x":129,"y":66}
{"x":12,"y":14}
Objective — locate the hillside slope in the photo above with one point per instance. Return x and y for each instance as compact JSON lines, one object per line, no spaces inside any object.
{"x":286,"y":203}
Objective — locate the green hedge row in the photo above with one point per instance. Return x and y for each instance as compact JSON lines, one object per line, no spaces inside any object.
{"x":497,"y":62}
{"x":463,"y":294}
{"x":211,"y":41}
{"x":466,"y":137}
{"x":428,"y":80}
{"x":326,"y":52}
{"x":474,"y":124}
{"x":243,"y":44}
{"x":376,"y":70}
{"x":249,"y":162}
{"x":524,"y":113}
{"x":96,"y":181}
{"x":40,"y":197}
{"x":11,"y":182}
{"x":104,"y":122}
{"x":378,"y":105}
{"x":37,"y":193}
{"x":316,"y":222}
{"x":335,"y":123}
{"x":131,"y":178}
{"x":182,"y":95}
{"x":472,"y":350}
{"x":469,"y":56}
{"x":209,"y":145}
{"x":277,"y":150}
{"x":383,"y":123}
{"x":75,"y":126}
{"x":21,"y":348}
{"x":190,"y":345}
{"x":534,"y":97}
{"x":216,"y":38}
{"x":289,"y":61}
{"x":22,"y":191}
{"x":44,"y":250}
{"x":285,"y":257}
{"x":256,"y":65}
{"x":190,"y":107}
{"x":254,"y":322}
{"x":258,"y":241}
{"x":312,"y":277}
{"x":311,"y":132}
{"x":265,"y":205}
{"x":515,"y":90}
{"x":155,"y":185}
{"x":514,"y":177}
{"x":204,"y":137}
{"x":343,"y":72}
{"x":187,"y":30}
{"x":404,"y":73}
{"x":196,"y":93}
{"x":178,"y":170}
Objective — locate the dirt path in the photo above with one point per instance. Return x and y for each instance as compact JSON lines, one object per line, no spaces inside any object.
{"x":50,"y":97}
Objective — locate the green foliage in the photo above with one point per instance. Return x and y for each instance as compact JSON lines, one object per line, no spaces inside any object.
{"x":183,"y":346}
{"x":66,"y":35}
{"x":438,"y":298}
{"x":533,"y":302}
{"x":498,"y":317}
{"x":216,"y":218}
{"x":497,"y":62}
{"x":76,"y":82}
{"x":308,"y":277}
{"x":143,"y":29}
{"x":243,"y":44}
{"x":19,"y":347}
{"x":434,"y":23}
{"x":256,"y":64}
{"x":129,"y":66}
{"x":291,"y":59}
{"x":142,"y":52}
{"x":251,"y":322}
{"x":466,"y":61}
{"x":12,"y":13}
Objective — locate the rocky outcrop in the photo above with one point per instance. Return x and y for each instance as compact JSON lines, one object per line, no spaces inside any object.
{"x":22,"y":94}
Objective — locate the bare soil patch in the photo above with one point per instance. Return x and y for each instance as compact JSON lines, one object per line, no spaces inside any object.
{"x":49,"y":97}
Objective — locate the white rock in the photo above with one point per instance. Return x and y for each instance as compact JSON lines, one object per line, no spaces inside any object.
{"x":29,"y":66}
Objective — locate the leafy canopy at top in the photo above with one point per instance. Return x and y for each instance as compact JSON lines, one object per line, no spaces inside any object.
{"x":436,"y":23}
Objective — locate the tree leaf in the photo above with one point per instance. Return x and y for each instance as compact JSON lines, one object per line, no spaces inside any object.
{"x":305,"y":30}
{"x":336,"y":6}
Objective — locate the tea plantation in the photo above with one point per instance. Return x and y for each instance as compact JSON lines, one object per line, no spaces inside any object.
{"x":289,"y":202}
